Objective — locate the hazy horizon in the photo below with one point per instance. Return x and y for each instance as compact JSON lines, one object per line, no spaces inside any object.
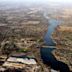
{"x":42,"y":1}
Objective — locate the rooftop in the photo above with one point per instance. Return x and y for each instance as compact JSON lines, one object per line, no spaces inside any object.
{"x":21,"y":60}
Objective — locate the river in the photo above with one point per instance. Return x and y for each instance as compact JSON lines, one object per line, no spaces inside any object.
{"x":46,"y":53}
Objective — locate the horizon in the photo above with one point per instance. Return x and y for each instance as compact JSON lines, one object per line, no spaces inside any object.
{"x":38,"y":1}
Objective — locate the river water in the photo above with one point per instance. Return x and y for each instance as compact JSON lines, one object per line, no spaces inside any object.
{"x":46,"y":53}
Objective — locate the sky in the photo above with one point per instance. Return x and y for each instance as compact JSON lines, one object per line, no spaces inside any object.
{"x":62,"y":1}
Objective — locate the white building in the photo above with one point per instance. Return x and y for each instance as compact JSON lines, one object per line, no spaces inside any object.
{"x":22,"y":60}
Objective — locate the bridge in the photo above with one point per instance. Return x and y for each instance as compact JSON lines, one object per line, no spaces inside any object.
{"x":44,"y":46}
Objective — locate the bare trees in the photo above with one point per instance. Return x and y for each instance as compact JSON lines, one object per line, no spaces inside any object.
{"x":7,"y":47}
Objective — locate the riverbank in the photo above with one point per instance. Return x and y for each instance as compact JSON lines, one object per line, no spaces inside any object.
{"x":63,"y":38}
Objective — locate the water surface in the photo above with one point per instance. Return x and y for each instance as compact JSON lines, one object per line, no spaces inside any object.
{"x":46,"y":53}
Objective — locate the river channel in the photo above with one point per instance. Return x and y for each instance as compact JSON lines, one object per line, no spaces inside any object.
{"x":46,"y":53}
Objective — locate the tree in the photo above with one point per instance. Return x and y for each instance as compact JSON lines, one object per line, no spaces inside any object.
{"x":8,"y":48}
